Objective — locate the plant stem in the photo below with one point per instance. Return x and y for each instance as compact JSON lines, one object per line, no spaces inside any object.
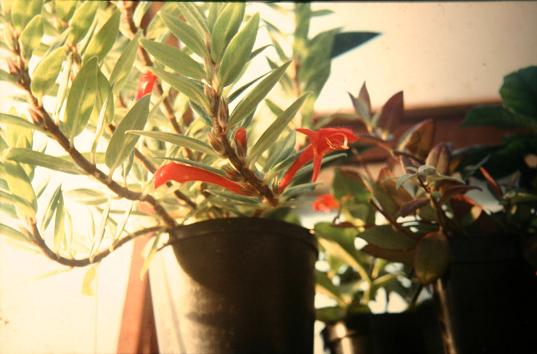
{"x":82,"y":262}
{"x":393,"y":222}
{"x":41,"y":118}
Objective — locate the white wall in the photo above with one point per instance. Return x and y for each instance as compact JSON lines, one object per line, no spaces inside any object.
{"x":438,"y":53}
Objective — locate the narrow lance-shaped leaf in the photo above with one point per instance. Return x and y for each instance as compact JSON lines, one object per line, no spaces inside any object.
{"x":6,"y":231}
{"x":65,"y":9}
{"x":250,"y":102}
{"x":276,"y":128}
{"x":189,"y":87}
{"x":59,"y":226}
{"x":81,"y":99}
{"x":81,"y":20}
{"x":177,"y":139}
{"x":36,"y":158}
{"x":386,"y":236}
{"x":121,"y":145}
{"x":9,"y":119}
{"x":30,"y":38}
{"x":226,"y":25}
{"x":19,"y":183}
{"x":51,"y":208}
{"x":102,"y":42}
{"x":12,"y":199}
{"x":185,"y":33}
{"x":194,"y":16}
{"x":46,"y":72}
{"x":124,"y":64}
{"x":238,"y":52}
{"x":22,"y":11}
{"x":174,"y":58}
{"x":345,"y":41}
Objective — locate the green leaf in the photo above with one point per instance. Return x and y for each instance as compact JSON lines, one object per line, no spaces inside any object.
{"x":81,"y":99}
{"x":329,"y":314}
{"x":59,"y":225}
{"x":87,"y":196}
{"x":276,"y":128}
{"x":386,"y":236}
{"x":45,"y":74}
{"x":185,"y":33}
{"x":103,"y":41}
{"x":345,"y":41}
{"x":51,"y":208}
{"x":124,"y":64}
{"x":19,"y":183}
{"x":250,"y":102}
{"x":101,"y":231}
{"x":121,"y":145}
{"x":519,"y":91}
{"x":194,"y":16}
{"x":12,"y":199}
{"x":243,"y":88}
{"x":432,"y":257}
{"x":88,"y":283}
{"x":12,"y":120}
{"x":22,"y":11}
{"x":174,"y":58}
{"x":35,"y":158}
{"x":326,"y":287}
{"x":13,"y":234}
{"x":192,"y":89}
{"x":81,"y":21}
{"x":225,"y":27}
{"x":177,"y":139}
{"x":30,"y":37}
{"x":65,"y":9}
{"x":140,"y":12}
{"x":497,"y":117}
{"x":238,"y":52}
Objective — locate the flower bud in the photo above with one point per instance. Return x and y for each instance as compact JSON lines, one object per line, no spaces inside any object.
{"x":241,"y":142}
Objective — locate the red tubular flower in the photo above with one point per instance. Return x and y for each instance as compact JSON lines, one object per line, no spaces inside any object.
{"x":145,"y":84}
{"x":322,"y":141}
{"x":240,"y":137}
{"x":325,"y":202}
{"x":184,"y":173}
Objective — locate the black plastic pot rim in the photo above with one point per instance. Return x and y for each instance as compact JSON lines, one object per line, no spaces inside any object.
{"x":208,"y":227}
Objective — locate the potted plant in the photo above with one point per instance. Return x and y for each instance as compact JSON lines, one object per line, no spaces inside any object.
{"x":471,"y":255}
{"x":352,"y":278}
{"x":248,"y":277}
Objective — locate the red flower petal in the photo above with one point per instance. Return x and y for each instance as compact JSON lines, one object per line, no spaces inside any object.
{"x":145,"y":84}
{"x":321,"y":142}
{"x":325,"y":202}
{"x":184,"y":173}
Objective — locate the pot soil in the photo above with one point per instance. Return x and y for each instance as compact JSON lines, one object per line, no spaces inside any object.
{"x":247,"y":286}
{"x":411,"y":332}
{"x":488,"y":298}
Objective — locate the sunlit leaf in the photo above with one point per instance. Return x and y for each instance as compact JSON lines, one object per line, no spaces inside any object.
{"x":82,"y":19}
{"x":250,"y":102}
{"x":238,"y":52}
{"x":275,"y":129}
{"x":45,"y":74}
{"x":174,"y":58}
{"x":226,"y":25}
{"x":121,"y":144}
{"x":18,"y":183}
{"x":101,"y":43}
{"x":81,"y":99}
{"x":177,"y":139}
{"x":185,"y":33}
{"x":386,"y":236}
{"x":124,"y":64}
{"x":88,"y":283}
{"x":22,"y":11}
{"x":23,"y":205}
{"x":30,"y":38}
{"x":192,"y":89}
{"x":35,"y":158}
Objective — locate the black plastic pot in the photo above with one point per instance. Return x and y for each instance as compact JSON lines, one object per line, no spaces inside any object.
{"x":490,"y":298}
{"x":247,"y":287}
{"x":411,"y":332}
